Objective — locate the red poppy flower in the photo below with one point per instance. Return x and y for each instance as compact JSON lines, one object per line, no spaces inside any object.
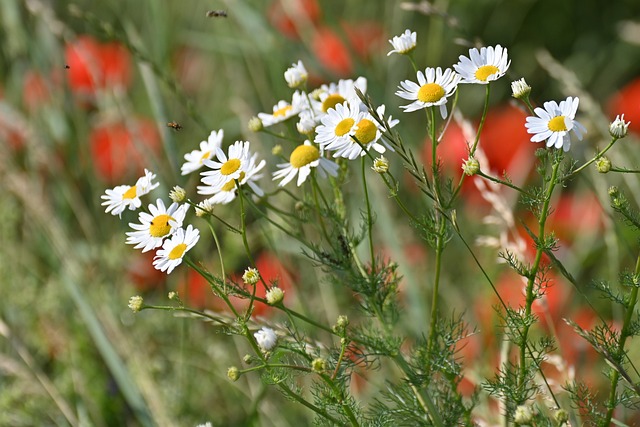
{"x":627,"y":102}
{"x":93,"y":65}
{"x":288,"y":16}
{"x":366,"y":38}
{"x":142,"y":273}
{"x":332,"y":52}
{"x":119,"y":150}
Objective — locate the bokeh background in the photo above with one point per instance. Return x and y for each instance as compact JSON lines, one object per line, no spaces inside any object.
{"x":86,"y":90}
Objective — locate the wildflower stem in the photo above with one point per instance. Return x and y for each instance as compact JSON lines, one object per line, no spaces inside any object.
{"x":436,"y":284}
{"x":315,"y":190}
{"x":624,"y":334}
{"x":215,"y":239}
{"x":596,"y":157}
{"x":308,"y":404}
{"x":474,"y":147}
{"x":424,"y":399}
{"x":369,"y":218}
{"x":505,"y":183}
{"x":343,"y":348}
{"x":530,"y":296}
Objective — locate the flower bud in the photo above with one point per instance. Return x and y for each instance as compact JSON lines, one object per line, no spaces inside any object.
{"x":318,"y":365}
{"x":520,"y":89}
{"x":233,"y":373}
{"x":276,"y":150}
{"x":561,"y":416}
{"x":275,"y":295}
{"x":177,"y":194}
{"x":173,"y":295}
{"x":296,"y":76}
{"x":380,"y":165}
{"x":523,"y":415}
{"x":204,"y":207}
{"x":619,"y":128}
{"x":255,"y":124}
{"x":471,"y":166}
{"x":603,"y":164}
{"x":136,"y":303}
{"x":248,"y":359}
{"x":251,"y":276}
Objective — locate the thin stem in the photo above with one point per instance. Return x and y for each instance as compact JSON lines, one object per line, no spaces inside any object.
{"x":369,"y":218}
{"x":596,"y":157}
{"x":624,"y":334}
{"x":308,"y":404}
{"x":474,"y":147}
{"x":215,"y":239}
{"x":505,"y":183}
{"x":530,"y":297}
{"x":436,"y":284}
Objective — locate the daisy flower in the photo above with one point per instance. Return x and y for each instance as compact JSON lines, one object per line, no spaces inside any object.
{"x":154,"y":226}
{"x":296,"y":76}
{"x":227,"y":192}
{"x":128,"y":196}
{"x":228,"y":167}
{"x":173,"y":249}
{"x":554,"y":122}
{"x":338,"y":125}
{"x":433,"y":88}
{"x":195,"y":159}
{"x":302,"y":159}
{"x":619,"y":128}
{"x":483,"y":67}
{"x":284,"y":110}
{"x":365,"y":136}
{"x":333,"y":94}
{"x":404,"y":43}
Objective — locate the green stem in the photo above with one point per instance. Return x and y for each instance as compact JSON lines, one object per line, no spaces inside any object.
{"x":624,"y":334}
{"x":530,"y":297}
{"x":308,"y":404}
{"x":215,"y":239}
{"x":505,"y":183}
{"x":474,"y":147}
{"x":596,"y":157}
{"x":436,"y":284}
{"x":369,"y":218}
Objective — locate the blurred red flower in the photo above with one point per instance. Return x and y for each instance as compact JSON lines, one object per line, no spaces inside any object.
{"x":35,"y":90}
{"x":331,"y":52}
{"x":289,"y":15}
{"x":143,"y":274}
{"x":627,"y":102}
{"x":196,"y":292}
{"x":366,"y":38}
{"x":120,"y":150}
{"x":93,"y":65}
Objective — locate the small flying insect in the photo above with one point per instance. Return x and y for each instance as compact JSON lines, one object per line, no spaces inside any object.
{"x":66,"y":66}
{"x":174,"y":125}
{"x":217,"y":14}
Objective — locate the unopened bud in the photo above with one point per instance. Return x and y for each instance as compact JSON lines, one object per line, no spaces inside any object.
{"x":603,"y":164}
{"x":275,"y":295}
{"x":471,"y":166}
{"x":520,"y":89}
{"x":255,"y":124}
{"x":233,"y":373}
{"x":177,"y":194}
{"x":318,"y":365}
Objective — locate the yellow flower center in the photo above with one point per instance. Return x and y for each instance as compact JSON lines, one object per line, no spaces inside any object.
{"x":484,"y":72}
{"x":303,"y":155}
{"x":131,"y":193}
{"x":332,"y":101}
{"x":282,"y":112}
{"x":160,"y":226}
{"x":557,"y":124}
{"x":230,"y":166}
{"x":178,"y":251}
{"x":366,"y":132}
{"x":205,"y":156}
{"x":430,"y":92}
{"x":344,"y":126}
{"x":232,"y":183}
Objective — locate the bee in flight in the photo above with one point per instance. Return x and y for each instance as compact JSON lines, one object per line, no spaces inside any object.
{"x":174,"y":125}
{"x":217,"y":14}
